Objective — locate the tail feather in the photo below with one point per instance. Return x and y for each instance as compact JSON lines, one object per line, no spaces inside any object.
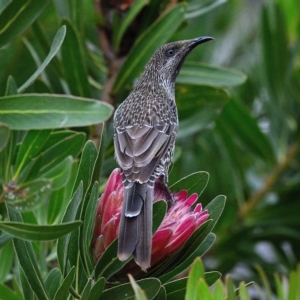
{"x":135,"y":231}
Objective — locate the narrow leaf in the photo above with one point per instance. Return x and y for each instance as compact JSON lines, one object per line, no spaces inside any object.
{"x":202,"y":291}
{"x":17,"y":16}
{"x":244,"y":126}
{"x":109,"y":263}
{"x":42,"y":111}
{"x":88,"y":226}
{"x":9,"y":294}
{"x":196,"y":272}
{"x":53,"y":281}
{"x":198,"y":8}
{"x":86,"y":165}
{"x":202,"y":74}
{"x":151,"y":287}
{"x":6,"y":258}
{"x":11,"y":86}
{"x":97,"y":289}
{"x":30,"y":147}
{"x":60,"y":174}
{"x":28,"y":262}
{"x":38,"y":232}
{"x":69,"y":216}
{"x":56,"y":44}
{"x":215,"y":209}
{"x":130,"y":15}
{"x":4,"y":239}
{"x":5,"y":134}
{"x":195,"y":182}
{"x":212,"y":277}
{"x":138,"y":292}
{"x":74,"y":65}
{"x":63,"y":291}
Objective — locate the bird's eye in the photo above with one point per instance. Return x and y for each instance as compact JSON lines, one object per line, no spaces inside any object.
{"x":170,"y":52}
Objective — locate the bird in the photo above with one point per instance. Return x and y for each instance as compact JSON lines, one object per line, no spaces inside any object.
{"x":145,"y":127}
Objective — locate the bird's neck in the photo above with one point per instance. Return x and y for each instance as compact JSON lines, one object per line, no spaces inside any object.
{"x":152,"y":81}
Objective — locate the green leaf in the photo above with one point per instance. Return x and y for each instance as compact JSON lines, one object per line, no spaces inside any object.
{"x":69,"y":216}
{"x":17,"y":16}
{"x":198,"y":121}
{"x":53,"y":281}
{"x":195,"y":182}
{"x":5,"y":134}
{"x":56,"y":44}
{"x":87,"y":289}
{"x":162,"y":294}
{"x":202,"y":74}
{"x":241,"y":124}
{"x":156,"y":34}
{"x":38,"y":232}
{"x":202,"y":291}
{"x":60,"y":199}
{"x":74,"y":66}
{"x":97,"y":289}
{"x":29,"y":195}
{"x":130,"y":15}
{"x":43,"y":111}
{"x":212,"y":277}
{"x":11,"y":86}
{"x":275,"y":48}
{"x":188,"y":255}
{"x":194,"y":97}
{"x":244,"y":295}
{"x":230,"y":288}
{"x":63,"y":291}
{"x":57,"y":149}
{"x":109,"y":263}
{"x":27,"y":292}
{"x":159,"y":212}
{"x":86,"y":165}
{"x":88,"y":226}
{"x":151,"y":287}
{"x":215,"y":209}
{"x":218,"y":291}
{"x":6,"y":258}
{"x":9,"y":294}
{"x":28,"y":262}
{"x":100,"y":157}
{"x":4,"y":239}
{"x":279,"y":287}
{"x":29,"y":148}
{"x":196,"y":272}
{"x":138,"y":292}
{"x":60,"y":174}
{"x":198,"y":8}
{"x":176,"y":289}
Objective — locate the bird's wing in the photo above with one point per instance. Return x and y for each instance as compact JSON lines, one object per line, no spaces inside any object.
{"x":138,"y":149}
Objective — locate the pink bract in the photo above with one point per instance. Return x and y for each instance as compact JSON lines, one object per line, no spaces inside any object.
{"x":179,"y":224}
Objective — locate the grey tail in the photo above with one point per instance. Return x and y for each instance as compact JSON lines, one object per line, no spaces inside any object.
{"x":135,"y":230}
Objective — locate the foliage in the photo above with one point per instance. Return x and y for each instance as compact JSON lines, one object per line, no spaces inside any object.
{"x":58,"y":58}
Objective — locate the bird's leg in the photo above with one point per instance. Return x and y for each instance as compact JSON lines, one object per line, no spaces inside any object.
{"x":162,"y":183}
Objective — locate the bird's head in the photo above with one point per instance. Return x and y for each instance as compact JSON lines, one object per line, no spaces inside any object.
{"x":167,"y":59}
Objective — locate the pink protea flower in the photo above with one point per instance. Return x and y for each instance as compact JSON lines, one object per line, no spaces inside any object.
{"x":178,"y":225}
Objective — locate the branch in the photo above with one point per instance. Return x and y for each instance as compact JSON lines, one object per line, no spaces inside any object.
{"x":270,"y":181}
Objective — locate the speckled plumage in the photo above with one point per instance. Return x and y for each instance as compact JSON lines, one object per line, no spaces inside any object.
{"x":145,"y":127}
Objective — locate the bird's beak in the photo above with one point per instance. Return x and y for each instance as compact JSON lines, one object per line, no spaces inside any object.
{"x":197,"y":41}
